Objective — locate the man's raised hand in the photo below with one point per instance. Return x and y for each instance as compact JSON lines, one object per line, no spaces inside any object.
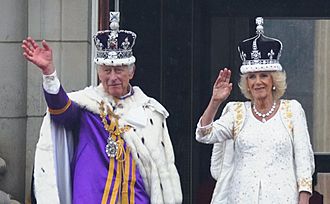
{"x":40,"y":56}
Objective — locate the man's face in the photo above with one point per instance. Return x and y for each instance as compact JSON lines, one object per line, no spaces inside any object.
{"x":115,"y":79}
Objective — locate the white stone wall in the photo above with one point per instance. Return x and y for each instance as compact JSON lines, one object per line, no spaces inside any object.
{"x":66,"y":25}
{"x":13,"y":80}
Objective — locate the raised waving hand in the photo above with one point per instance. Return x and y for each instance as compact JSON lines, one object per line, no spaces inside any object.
{"x":221,"y":90}
{"x":40,"y":56}
{"x":222,"y":86}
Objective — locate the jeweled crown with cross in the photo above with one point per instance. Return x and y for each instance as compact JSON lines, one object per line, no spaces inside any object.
{"x":114,"y":46}
{"x":260,"y":53}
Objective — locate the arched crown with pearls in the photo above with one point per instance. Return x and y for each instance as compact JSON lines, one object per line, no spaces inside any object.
{"x":260,"y":53}
{"x":114,"y":46}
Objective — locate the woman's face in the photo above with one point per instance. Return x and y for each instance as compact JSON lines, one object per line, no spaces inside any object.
{"x":260,"y":85}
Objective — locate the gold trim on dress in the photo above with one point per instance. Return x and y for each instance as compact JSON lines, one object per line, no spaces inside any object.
{"x":238,"y":118}
{"x":305,"y":184}
{"x":206,"y":131}
{"x":286,"y":108}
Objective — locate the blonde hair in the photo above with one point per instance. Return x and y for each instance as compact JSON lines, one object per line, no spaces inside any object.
{"x":279,"y":81}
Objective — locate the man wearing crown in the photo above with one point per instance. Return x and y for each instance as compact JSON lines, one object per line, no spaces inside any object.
{"x":104,"y":144}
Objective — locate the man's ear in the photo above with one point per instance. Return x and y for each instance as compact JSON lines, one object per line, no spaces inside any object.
{"x":131,"y":72}
{"x":98,"y":70}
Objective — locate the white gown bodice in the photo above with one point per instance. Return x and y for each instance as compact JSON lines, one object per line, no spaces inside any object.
{"x":263,"y":162}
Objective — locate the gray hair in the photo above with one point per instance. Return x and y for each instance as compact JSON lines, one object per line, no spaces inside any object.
{"x":130,"y":67}
{"x":279,"y":81}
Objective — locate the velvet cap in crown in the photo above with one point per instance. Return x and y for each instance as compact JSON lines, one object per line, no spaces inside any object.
{"x":260,"y":53}
{"x":114,"y":46}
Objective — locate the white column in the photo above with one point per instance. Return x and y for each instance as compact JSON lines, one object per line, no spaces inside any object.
{"x":321,"y":129}
{"x":66,"y":26}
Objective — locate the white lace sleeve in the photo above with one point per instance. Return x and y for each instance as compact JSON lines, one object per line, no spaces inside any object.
{"x":218,"y":131}
{"x":303,"y":153}
{"x":51,"y":83}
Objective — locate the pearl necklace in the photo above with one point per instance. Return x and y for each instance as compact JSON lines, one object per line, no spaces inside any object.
{"x":264,"y":115}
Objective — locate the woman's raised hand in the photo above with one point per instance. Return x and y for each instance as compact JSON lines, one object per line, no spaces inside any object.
{"x":222,"y":87}
{"x":221,"y":91}
{"x":40,"y":56}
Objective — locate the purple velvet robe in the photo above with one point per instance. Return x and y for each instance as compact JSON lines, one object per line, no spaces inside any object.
{"x":90,"y":163}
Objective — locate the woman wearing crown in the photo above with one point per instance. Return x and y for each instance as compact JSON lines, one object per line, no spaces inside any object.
{"x":262,"y":152}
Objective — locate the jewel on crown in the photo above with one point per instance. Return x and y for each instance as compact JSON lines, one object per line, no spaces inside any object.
{"x":114,"y":46}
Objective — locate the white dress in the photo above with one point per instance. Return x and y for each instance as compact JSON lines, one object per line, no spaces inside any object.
{"x":264,"y":164}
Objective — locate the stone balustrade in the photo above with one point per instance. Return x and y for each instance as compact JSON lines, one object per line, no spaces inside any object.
{"x":2,"y":166}
{"x":4,"y":197}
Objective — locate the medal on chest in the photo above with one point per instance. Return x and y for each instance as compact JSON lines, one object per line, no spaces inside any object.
{"x":111,"y":148}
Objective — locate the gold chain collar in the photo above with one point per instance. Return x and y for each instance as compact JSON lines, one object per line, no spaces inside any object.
{"x":115,"y":143}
